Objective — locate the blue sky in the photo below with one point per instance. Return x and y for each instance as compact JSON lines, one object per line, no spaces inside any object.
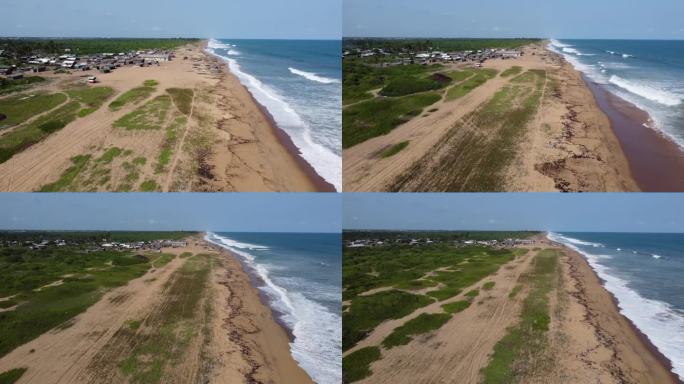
{"x":291,"y":19}
{"x":590,"y":212}
{"x":638,"y":19}
{"x":238,"y":212}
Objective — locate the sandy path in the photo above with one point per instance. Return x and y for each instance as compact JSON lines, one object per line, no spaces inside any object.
{"x":461,"y":347}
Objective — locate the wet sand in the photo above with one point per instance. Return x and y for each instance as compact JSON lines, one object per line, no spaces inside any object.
{"x":657,"y":164}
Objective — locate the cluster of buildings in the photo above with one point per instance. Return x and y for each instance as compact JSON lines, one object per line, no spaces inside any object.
{"x":405,"y":56}
{"x":361,"y":243}
{"x":153,"y":245}
{"x":104,"y":62}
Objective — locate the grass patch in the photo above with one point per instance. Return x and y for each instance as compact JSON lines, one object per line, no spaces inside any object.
{"x":150,"y":83}
{"x":91,"y":97}
{"x":8,"y":86}
{"x":514,"y":70}
{"x":18,"y":109}
{"x":422,"y":324}
{"x":488,"y":285}
{"x":134,"y":324}
{"x":393,"y":150}
{"x":367,"y":312}
{"x":356,"y":366}
{"x":472,"y":293}
{"x":148,"y":186}
{"x":378,"y":117}
{"x":109,"y":155}
{"x":139,"y":161}
{"x":133,"y":96}
{"x":169,"y":142}
{"x":408,"y":85}
{"x":11,"y":376}
{"x":515,"y":291}
{"x":185,"y":255}
{"x":67,"y":178}
{"x":182,"y":98}
{"x":456,"y":306}
{"x":481,"y":76}
{"x":521,"y":351}
{"x":150,"y":115}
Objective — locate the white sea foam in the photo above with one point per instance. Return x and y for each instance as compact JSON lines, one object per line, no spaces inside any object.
{"x":661,"y":323}
{"x":646,"y":91}
{"x":559,"y":44}
{"x":236,"y":244}
{"x":656,"y":256}
{"x":215,"y":44}
{"x":326,"y":163}
{"x":312,"y":76}
{"x":625,"y":55}
{"x":317,"y":331}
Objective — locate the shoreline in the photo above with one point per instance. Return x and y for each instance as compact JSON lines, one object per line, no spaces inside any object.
{"x":655,"y":162}
{"x":270,"y":316}
{"x":282,"y":136}
{"x":584,"y":275}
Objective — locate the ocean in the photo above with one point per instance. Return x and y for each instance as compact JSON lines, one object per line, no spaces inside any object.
{"x":647,"y":73}
{"x":645,"y":273}
{"x":302,"y":276}
{"x":299,"y":83}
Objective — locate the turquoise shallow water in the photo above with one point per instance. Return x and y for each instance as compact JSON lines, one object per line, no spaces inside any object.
{"x":299,"y":83}
{"x":302,"y":278}
{"x":645,"y":272}
{"x":647,"y":73}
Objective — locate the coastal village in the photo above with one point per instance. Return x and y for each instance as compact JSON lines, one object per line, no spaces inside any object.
{"x":412,"y":241}
{"x":405,"y":56}
{"x":68,"y":61}
{"x":103,"y":245}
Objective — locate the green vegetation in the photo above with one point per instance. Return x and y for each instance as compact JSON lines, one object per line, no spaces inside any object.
{"x":477,"y":150}
{"x":515,"y":291}
{"x":170,"y":330}
{"x":91,"y":97}
{"x":422,"y":324}
{"x":79,"y":162}
{"x":9,"y":85}
{"x":472,"y":293}
{"x":407,"y":85}
{"x":185,"y":254}
{"x":182,"y":98}
{"x":11,"y":376}
{"x":169,"y":142}
{"x":379,"y":116}
{"x":358,"y":79}
{"x":148,"y":186}
{"x":514,"y":70}
{"x":393,"y":150}
{"x":85,"y":277}
{"x":139,"y":161}
{"x":150,"y":115}
{"x":356,"y":366}
{"x":488,"y":285}
{"x":480,"y":77}
{"x":456,"y":306}
{"x":134,"y":95}
{"x":109,"y":155}
{"x":367,"y":312}
{"x":522,"y":350}
{"x":93,"y":236}
{"x":18,"y":109}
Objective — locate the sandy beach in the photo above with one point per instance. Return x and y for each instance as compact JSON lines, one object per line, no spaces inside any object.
{"x":228,"y":143}
{"x":588,"y":340}
{"x":568,"y":145}
{"x":232,"y":338}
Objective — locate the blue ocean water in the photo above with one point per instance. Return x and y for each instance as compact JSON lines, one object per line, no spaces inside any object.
{"x":647,"y":73}
{"x":299,"y":82}
{"x":302,"y":277}
{"x":645,"y":272}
